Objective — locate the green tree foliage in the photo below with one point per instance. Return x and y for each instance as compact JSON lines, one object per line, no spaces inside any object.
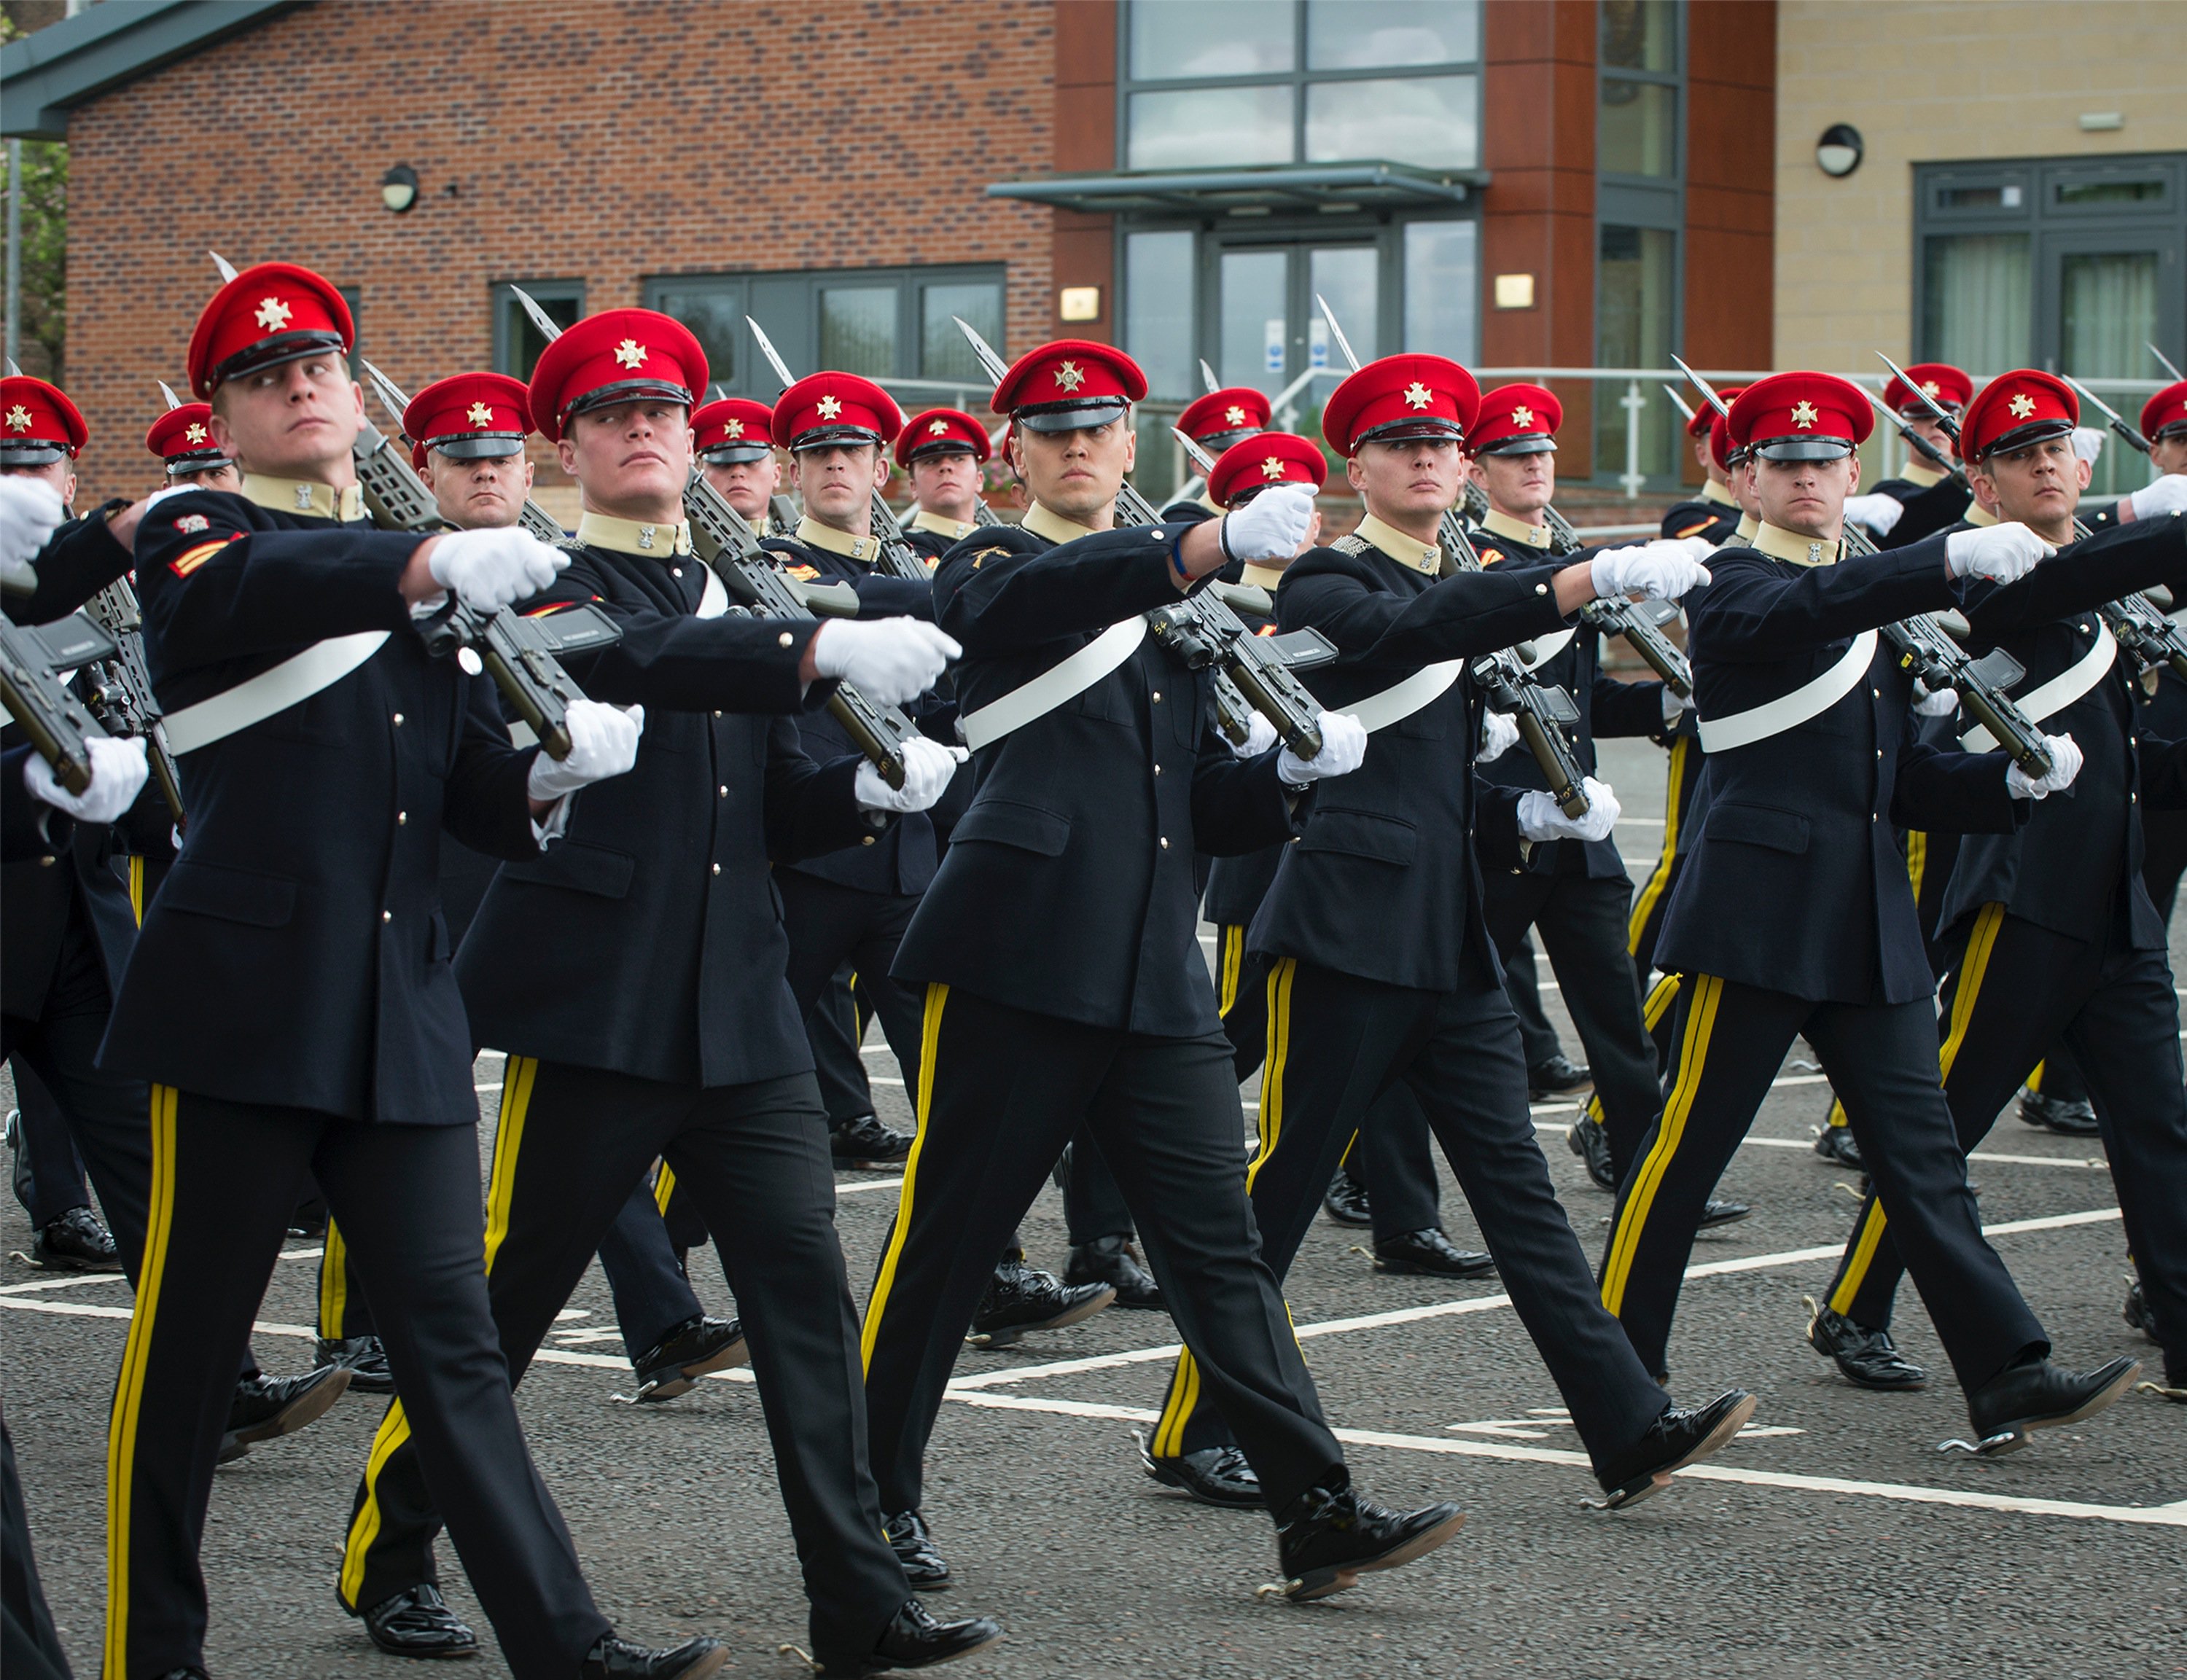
{"x":44,"y":324}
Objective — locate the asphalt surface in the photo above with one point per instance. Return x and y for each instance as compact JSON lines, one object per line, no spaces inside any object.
{"x":1833,"y":1539}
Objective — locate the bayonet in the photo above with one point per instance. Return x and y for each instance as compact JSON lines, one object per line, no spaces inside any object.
{"x":1921,"y":445}
{"x":168,"y":392}
{"x":1937,"y":412}
{"x":227,"y":268}
{"x":548,"y":328}
{"x":773,"y":357}
{"x":1704,"y":387}
{"x":1207,"y":377}
{"x":2163,"y":361}
{"x":2117,"y":420}
{"x":1343,"y":344}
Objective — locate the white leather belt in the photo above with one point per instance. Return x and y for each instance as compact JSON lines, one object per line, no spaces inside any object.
{"x":1061,"y":681}
{"x":1547,"y":648}
{"x":1788,"y":711}
{"x":1400,"y":701}
{"x":2048,"y":699}
{"x":714,"y":599}
{"x":291,"y":682}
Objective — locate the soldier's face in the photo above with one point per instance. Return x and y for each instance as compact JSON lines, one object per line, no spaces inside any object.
{"x":1704,"y":457}
{"x":1076,"y":474}
{"x":946,"y":483}
{"x":2039,"y":486}
{"x":221,"y":477}
{"x":745,"y":486}
{"x":1408,"y":479}
{"x":1805,"y":497}
{"x":837,"y":481}
{"x":59,"y":474}
{"x":485,"y":494}
{"x":1516,"y":484}
{"x":293,"y":420}
{"x":2169,"y":454}
{"x":634,"y":456}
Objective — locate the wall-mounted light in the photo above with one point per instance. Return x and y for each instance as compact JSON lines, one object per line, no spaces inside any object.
{"x":398,"y":187}
{"x":1838,"y":153}
{"x":1078,"y":303}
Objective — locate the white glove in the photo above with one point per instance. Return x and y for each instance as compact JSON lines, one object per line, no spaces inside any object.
{"x":603,"y":743}
{"x":889,"y":660}
{"x":1659,"y":570}
{"x":927,"y":767}
{"x":1343,"y":748}
{"x":2065,"y":765}
{"x":1941,"y":702}
{"x":1270,"y":525}
{"x":1498,"y":736}
{"x":2168,"y":495}
{"x":29,"y":511}
{"x":2002,"y":553}
{"x":489,"y":569}
{"x":2089,"y":443}
{"x":1260,"y":736}
{"x":118,"y":770}
{"x":1675,"y":706}
{"x":1541,"y":818}
{"x":1877,"y":511}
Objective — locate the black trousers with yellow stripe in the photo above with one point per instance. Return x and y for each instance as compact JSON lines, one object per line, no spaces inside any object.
{"x":2014,"y":989}
{"x":225,"y":1178}
{"x":1337,"y":1045}
{"x":1644,"y":925}
{"x":344,"y":1313}
{"x":571,"y":1143}
{"x":653,"y":1294}
{"x":1003,"y":1089}
{"x":1881,"y":1058}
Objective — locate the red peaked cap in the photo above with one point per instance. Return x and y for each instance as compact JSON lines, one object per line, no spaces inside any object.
{"x":732,"y":430}
{"x":182,"y":438}
{"x":1224,"y":415}
{"x":2016,"y":409}
{"x":1720,"y":430}
{"x":1398,"y":397}
{"x":270,"y":314}
{"x":2165,"y":412}
{"x":38,"y":423}
{"x":832,"y":407}
{"x":617,"y":355}
{"x":1801,"y":417}
{"x":1267,"y":457}
{"x":941,"y":431}
{"x":1516,"y":420}
{"x":1068,"y":384}
{"x":1950,"y":387}
{"x":469,"y":416}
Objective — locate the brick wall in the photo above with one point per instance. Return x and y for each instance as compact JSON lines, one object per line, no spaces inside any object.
{"x":613,"y":140}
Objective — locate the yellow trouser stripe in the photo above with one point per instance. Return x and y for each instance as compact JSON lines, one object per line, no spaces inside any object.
{"x":930,"y":1039}
{"x":1661,"y":997}
{"x":137,"y":889}
{"x":1917,"y":858}
{"x":129,"y":1390}
{"x":1838,"y":1114}
{"x":1632,"y":1219}
{"x":518,"y":1081}
{"x":1659,"y":881}
{"x":664,"y":1187}
{"x":1232,"y":960}
{"x":334,"y":1284}
{"x":1973,"y":966}
{"x":2035,"y":1079}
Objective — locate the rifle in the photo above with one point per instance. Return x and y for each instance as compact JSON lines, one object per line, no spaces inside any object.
{"x":121,"y":696}
{"x":2116,"y":420}
{"x":532,"y":517}
{"x":1202,"y":630}
{"x":1919,"y":444}
{"x":782,"y":515}
{"x":59,"y":728}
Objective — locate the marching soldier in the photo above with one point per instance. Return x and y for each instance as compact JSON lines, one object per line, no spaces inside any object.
{"x":1064,"y":986}
{"x":943,"y":451}
{"x":291,"y":994}
{"x":1712,"y":515}
{"x":1216,"y":422}
{"x":1794,"y":914}
{"x":634,"y":974}
{"x":1928,"y":500}
{"x":734,"y":437}
{"x":2051,"y":936}
{"x":183,"y":440}
{"x":1382,"y":972}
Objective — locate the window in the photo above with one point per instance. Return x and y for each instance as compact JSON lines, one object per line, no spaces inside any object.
{"x":714,"y":311}
{"x":1231,"y":82}
{"x":1637,"y":130}
{"x":1640,"y":222}
{"x":1159,"y":268}
{"x":516,"y":342}
{"x":1636,"y":326}
{"x":1443,"y":288}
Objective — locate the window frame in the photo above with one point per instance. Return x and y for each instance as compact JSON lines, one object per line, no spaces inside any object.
{"x":507,"y":312}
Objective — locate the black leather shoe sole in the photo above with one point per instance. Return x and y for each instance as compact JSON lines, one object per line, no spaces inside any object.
{"x":1002,"y":1335}
{"x":665,"y":1380}
{"x":1649,"y":1483}
{"x":1183,"y":1475}
{"x":433,"y":1634}
{"x":1401,"y":1264}
{"x":1329,"y":1579}
{"x":2118,"y":1376}
{"x":1716,"y":1215}
{"x":307,"y":1408}
{"x":1835,"y":1144}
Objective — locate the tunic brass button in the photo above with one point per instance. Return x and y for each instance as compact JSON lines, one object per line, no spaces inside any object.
{"x":725,"y":791}
{"x":386,"y":915}
{"x":781,"y":641}
{"x":401,"y":818}
{"x":1157,"y":697}
{"x":865,"y":840}
{"x":1165,"y":842}
{"x":398,"y":720}
{"x":718,"y":868}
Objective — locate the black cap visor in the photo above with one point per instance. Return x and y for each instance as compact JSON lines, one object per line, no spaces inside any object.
{"x":1054,"y":417}
{"x":30,"y":452}
{"x":1216,"y":442}
{"x":1801,"y":448}
{"x":1413,"y":429}
{"x":1525,"y":443}
{"x":274,"y":351}
{"x":942,"y":446}
{"x":629,"y":390}
{"x":477,"y":445}
{"x":734,"y":454}
{"x":830,"y":437}
{"x":2020,"y":437}
{"x":197,"y":461}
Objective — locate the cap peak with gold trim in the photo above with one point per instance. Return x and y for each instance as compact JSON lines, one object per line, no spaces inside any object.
{"x":941,"y":431}
{"x":618,"y":355}
{"x":38,"y":423}
{"x":270,"y":314}
{"x":732,"y":429}
{"x":2016,"y":409}
{"x":1399,"y":399}
{"x":1800,"y":417}
{"x":1069,"y":384}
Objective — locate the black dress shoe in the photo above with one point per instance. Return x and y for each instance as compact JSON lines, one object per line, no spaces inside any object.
{"x":1835,"y":1145}
{"x":1682,"y":1436}
{"x":419,"y":1623}
{"x":77,"y":1241}
{"x":266,"y":1408}
{"x":1590,"y":1142}
{"x":2136,"y":1310}
{"x":365,"y":1359}
{"x":614,"y":1659}
{"x":866,"y":1143}
{"x":2074,"y":1119}
{"x":1865,"y":1358}
{"x":1345,"y":1201}
{"x":1430,"y":1254}
{"x":1715,"y":1212}
{"x":1214,"y":1475}
{"x":923,"y":1566}
{"x":915,"y":1639}
{"x":674,"y":1364}
{"x":1327,"y":1537}
{"x":1021,"y":1298}
{"x":2038,"y":1395}
{"x":1558,"y":1076}
{"x":1111,"y":1260}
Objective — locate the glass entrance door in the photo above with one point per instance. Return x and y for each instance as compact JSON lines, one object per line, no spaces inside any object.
{"x":2106,"y":297}
{"x":1268,"y":329}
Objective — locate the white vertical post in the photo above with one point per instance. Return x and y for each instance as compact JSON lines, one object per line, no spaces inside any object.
{"x":14,"y":303}
{"x":1632,"y":402}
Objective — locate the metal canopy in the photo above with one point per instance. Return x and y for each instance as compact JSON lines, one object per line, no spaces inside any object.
{"x":1283,"y":188}
{"x":44,"y":74}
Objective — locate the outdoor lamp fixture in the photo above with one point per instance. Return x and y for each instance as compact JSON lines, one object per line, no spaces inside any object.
{"x":1838,"y":153}
{"x":398,"y":187}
